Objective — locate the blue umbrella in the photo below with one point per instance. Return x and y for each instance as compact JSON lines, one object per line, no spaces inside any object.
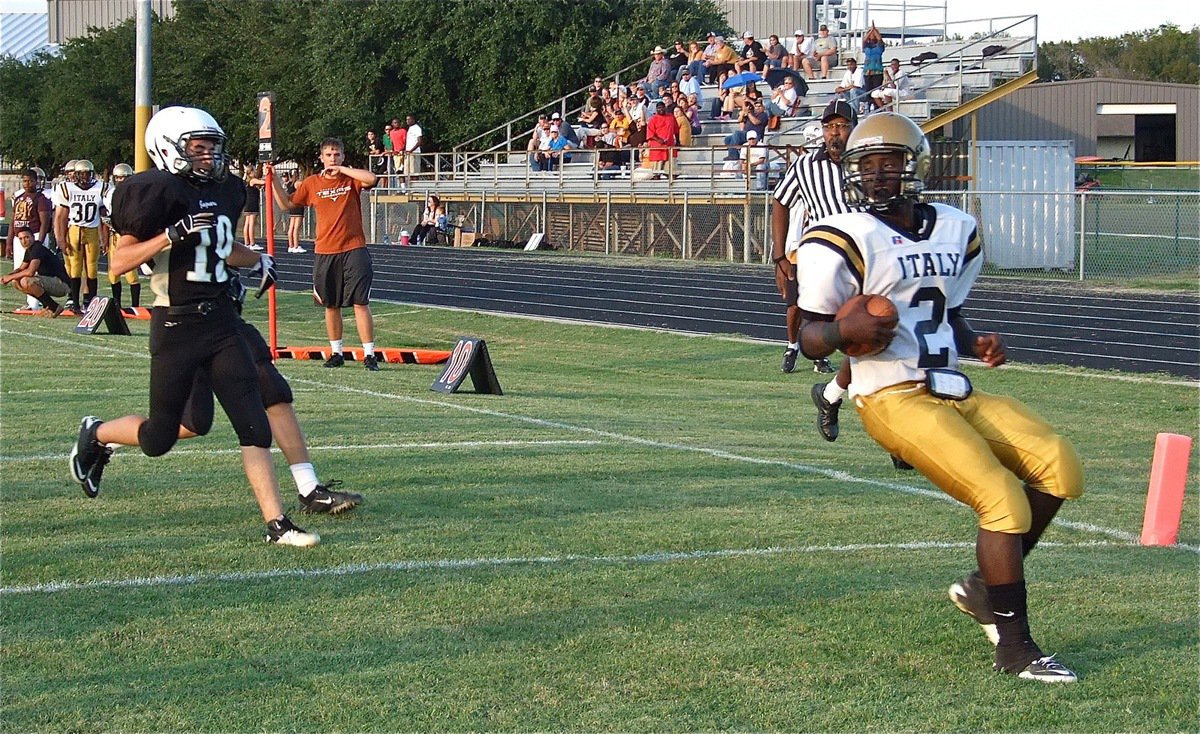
{"x":741,"y":80}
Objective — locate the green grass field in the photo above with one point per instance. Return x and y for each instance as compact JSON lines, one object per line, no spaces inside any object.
{"x":644,"y":533}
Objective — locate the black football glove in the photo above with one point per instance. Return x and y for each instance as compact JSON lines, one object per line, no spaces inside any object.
{"x":191,"y":224}
{"x":264,"y":274}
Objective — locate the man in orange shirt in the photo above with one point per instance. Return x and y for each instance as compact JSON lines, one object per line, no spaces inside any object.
{"x":342,"y":269}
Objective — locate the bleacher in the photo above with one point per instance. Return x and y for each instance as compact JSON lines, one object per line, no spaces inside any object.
{"x":958,"y":71}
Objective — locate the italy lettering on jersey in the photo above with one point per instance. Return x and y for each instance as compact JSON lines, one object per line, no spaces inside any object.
{"x":927,"y":274}
{"x":83,"y":205}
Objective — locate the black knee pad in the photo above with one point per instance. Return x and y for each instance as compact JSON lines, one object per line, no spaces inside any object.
{"x":274,"y":388}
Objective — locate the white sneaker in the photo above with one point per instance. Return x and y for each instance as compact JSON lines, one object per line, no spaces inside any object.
{"x":284,"y":532}
{"x":297,"y":250}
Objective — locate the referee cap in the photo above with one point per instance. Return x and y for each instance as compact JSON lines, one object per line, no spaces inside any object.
{"x":839,"y":108}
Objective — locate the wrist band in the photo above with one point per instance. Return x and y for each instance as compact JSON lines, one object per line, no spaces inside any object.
{"x":779,"y":259}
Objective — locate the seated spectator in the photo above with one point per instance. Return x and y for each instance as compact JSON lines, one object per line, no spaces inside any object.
{"x":732,"y":166}
{"x":752,"y":119}
{"x":896,"y":86}
{"x":693,"y":113}
{"x":559,"y":147}
{"x":824,"y":52}
{"x":690,"y":85}
{"x":433,"y":218}
{"x":803,"y":50}
{"x":592,"y":114}
{"x":753,"y":57}
{"x":783,"y":99}
{"x":620,"y":125}
{"x":728,"y":100}
{"x":695,"y":63}
{"x":850,"y":89}
{"x":776,"y":54}
{"x":598,"y":85}
{"x":660,"y":73}
{"x":678,"y":59}
{"x":612,"y":157}
{"x":721,"y":61}
{"x":635,"y":109}
{"x":565,"y":129}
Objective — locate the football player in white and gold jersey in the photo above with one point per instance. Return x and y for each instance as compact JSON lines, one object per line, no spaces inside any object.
{"x":989,"y":452}
{"x":79,"y":228}
{"x":120,"y":172}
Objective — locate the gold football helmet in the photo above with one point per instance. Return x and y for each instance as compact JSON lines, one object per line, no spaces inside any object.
{"x":885,"y":132}
{"x":121,"y":171}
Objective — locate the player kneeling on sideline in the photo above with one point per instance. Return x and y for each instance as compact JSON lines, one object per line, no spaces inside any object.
{"x":179,"y":216}
{"x":987,"y":451}
{"x":314,"y":496}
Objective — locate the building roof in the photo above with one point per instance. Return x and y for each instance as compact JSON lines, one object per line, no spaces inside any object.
{"x":22,"y":34}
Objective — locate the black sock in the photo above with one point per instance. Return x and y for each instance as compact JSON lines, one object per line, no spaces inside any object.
{"x":135,"y":295}
{"x":1016,"y":648}
{"x":116,"y":291}
{"x":74,"y":289}
{"x":93,"y":285}
{"x":48,"y":302}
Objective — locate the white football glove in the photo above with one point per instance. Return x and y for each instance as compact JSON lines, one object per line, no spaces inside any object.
{"x":264,"y":273}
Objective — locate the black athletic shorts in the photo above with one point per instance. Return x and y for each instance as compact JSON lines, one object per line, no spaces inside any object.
{"x":343,"y":280}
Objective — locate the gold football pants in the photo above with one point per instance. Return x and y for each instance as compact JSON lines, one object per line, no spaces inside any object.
{"x":980,"y":451}
{"x":131,"y":277}
{"x":85,"y":241}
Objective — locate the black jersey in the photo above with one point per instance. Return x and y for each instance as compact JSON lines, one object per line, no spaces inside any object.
{"x":194,"y":270}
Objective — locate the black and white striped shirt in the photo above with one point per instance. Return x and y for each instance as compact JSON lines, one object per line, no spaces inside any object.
{"x":811,"y":189}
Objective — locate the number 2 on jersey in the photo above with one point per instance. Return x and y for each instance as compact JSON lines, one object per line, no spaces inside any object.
{"x":929,"y":327}
{"x":199,"y":273}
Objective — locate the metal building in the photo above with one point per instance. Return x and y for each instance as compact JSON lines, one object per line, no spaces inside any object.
{"x":1110,"y":118}
{"x":72,"y":18}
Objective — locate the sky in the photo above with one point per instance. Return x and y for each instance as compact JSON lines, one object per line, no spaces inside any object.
{"x":1058,"y":20}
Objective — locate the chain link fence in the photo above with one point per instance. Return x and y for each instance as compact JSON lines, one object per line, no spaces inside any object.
{"x":1082,"y":235}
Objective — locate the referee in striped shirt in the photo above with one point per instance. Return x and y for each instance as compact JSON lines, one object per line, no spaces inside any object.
{"x":809,"y":191}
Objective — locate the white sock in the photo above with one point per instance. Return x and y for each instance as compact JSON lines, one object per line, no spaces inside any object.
{"x":834,"y":391}
{"x":305,"y":477}
{"x":368,"y":348}
{"x":336,"y":345}
{"x":794,"y":345}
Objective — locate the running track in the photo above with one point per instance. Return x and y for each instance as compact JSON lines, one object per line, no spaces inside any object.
{"x":1058,"y":323}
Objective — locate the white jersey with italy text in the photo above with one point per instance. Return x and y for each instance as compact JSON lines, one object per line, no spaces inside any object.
{"x":83,"y":205}
{"x":927,"y":274}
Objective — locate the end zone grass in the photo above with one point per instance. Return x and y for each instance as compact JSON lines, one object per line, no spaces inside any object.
{"x":645,"y":533}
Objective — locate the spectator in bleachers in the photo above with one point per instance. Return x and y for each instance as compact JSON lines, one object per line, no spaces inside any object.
{"x":690,"y":85}
{"x":677,"y":58}
{"x":598,"y":85}
{"x":783,"y":99}
{"x":803,"y":50}
{"x":825,"y":51}
{"x":620,"y":124}
{"x":896,"y":86}
{"x":399,"y":136}
{"x":565,"y":129}
{"x":683,"y":123}
{"x":414,"y":139}
{"x":375,"y":153}
{"x":752,"y":119}
{"x":560,"y":146}
{"x":851,"y":87}
{"x":387,"y":139}
{"x":776,"y":54}
{"x":695,"y":62}
{"x":753,"y":57}
{"x":659,"y":75}
{"x":662,"y":132}
{"x":754,"y":159}
{"x":721,"y":61}
{"x":872,"y":61}
{"x":635,"y":107}
{"x":694,"y":112}
{"x":593,"y":111}
{"x":433,"y":218}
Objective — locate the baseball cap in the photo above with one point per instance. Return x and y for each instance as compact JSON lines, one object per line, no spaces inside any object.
{"x":556,"y":116}
{"x":752,"y":135}
{"x":799,"y":32}
{"x":712,"y":35}
{"x":747,"y":34}
{"x":839,"y":108}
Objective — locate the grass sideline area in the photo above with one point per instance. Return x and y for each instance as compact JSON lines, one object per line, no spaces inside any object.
{"x":644,"y":533}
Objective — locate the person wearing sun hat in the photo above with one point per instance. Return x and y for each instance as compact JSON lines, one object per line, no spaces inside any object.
{"x":659,"y":75}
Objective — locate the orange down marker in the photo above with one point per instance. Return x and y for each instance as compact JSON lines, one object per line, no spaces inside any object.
{"x":1168,"y":476}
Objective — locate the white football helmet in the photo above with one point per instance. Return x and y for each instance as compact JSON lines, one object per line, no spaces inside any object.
{"x":813,"y":135}
{"x":85,"y":173}
{"x":885,"y":132}
{"x":167,"y":136}
{"x":121,"y":171}
{"x":68,"y":170}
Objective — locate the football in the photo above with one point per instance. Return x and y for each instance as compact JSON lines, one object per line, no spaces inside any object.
{"x":875,"y":305}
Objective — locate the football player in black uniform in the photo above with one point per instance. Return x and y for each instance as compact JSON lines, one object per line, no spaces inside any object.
{"x":180,"y":218}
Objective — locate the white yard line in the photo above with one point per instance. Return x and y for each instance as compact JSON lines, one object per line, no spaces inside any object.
{"x":454,"y":564}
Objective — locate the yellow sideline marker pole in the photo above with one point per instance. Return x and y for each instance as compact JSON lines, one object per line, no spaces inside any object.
{"x":1168,"y":478}
{"x":143,"y":74}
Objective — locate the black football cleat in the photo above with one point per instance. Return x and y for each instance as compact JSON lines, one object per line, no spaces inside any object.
{"x":789,"y":360}
{"x":827,"y":412}
{"x":823,"y":367}
{"x":86,"y":453}
{"x":325,"y":499}
{"x":901,"y":464}
{"x":284,"y":532}
{"x":335,"y":360}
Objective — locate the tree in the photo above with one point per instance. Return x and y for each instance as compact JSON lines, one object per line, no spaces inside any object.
{"x":1163,"y":54}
